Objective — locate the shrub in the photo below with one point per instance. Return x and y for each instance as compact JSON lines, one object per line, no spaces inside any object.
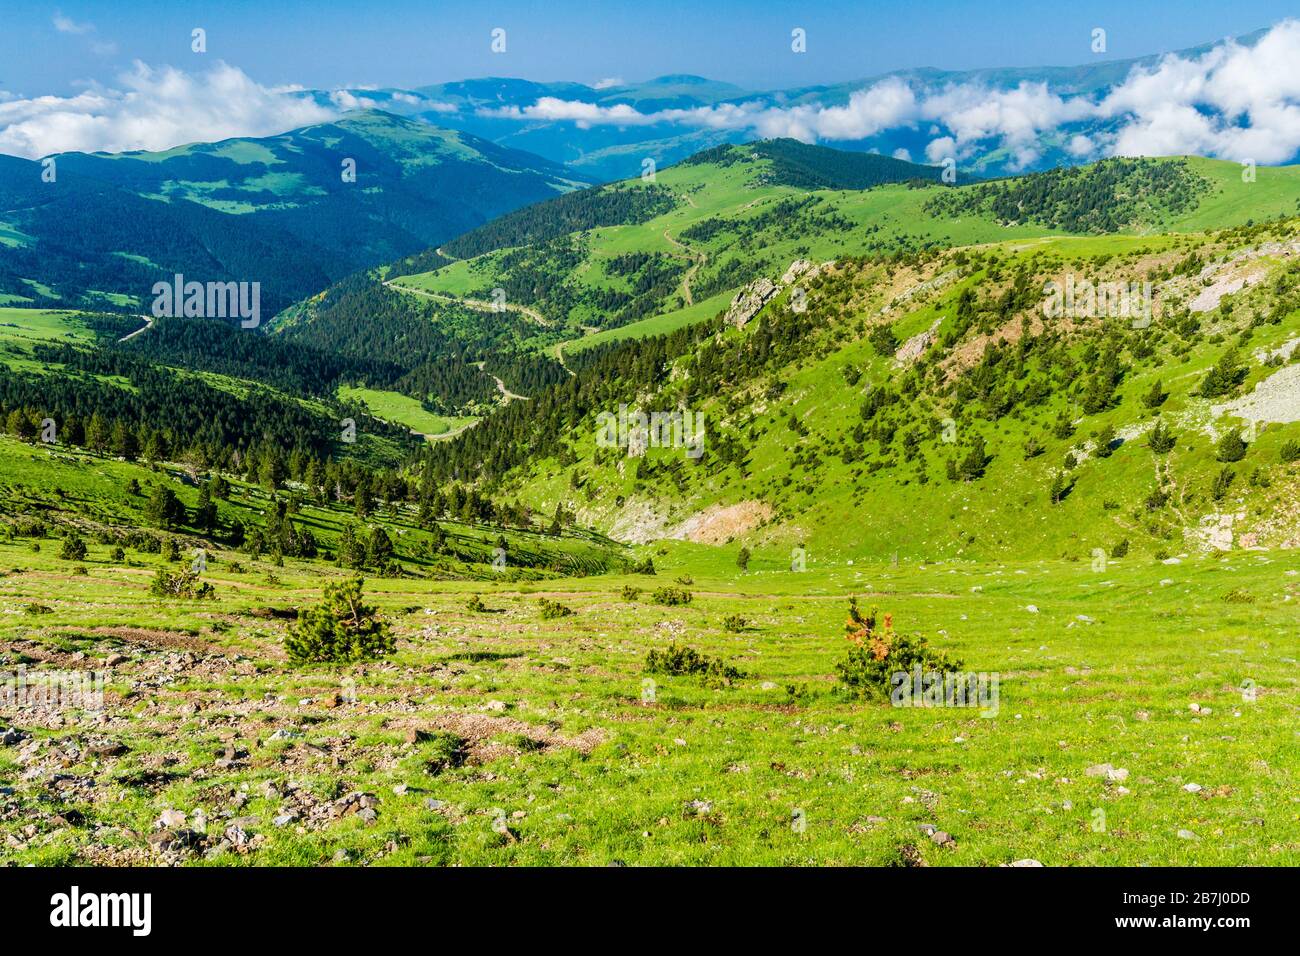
{"x":475,"y":605}
{"x":1224,"y":378}
{"x":553,"y":609}
{"x":340,"y":629}
{"x":182,"y":584}
{"x":734,"y":623}
{"x":1156,"y":397}
{"x":35,"y":609}
{"x":1231,"y":447}
{"x":630,"y":593}
{"x":1120,"y":550}
{"x":73,"y":549}
{"x":742,"y":559}
{"x":642,"y":567}
{"x":1222,"y":482}
{"x":1105,"y":438}
{"x":678,"y":660}
{"x":1290,"y":451}
{"x":671,"y":597}
{"x":879,"y":652}
{"x":1239,"y":596}
{"x":119,"y":554}
{"x":1161,"y":439}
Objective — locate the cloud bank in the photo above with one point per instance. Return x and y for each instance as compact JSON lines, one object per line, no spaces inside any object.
{"x":1234,"y":102}
{"x":153,"y":109}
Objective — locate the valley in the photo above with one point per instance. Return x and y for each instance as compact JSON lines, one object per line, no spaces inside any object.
{"x":865,"y":389}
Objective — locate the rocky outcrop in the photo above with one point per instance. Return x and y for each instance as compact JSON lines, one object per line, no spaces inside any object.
{"x":753,"y":297}
{"x":803,"y":269}
{"x":749,"y":300}
{"x":915,"y":347}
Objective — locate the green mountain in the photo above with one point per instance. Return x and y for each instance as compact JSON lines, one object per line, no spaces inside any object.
{"x":278,"y":209}
{"x":642,"y":256}
{"x":965,"y":404}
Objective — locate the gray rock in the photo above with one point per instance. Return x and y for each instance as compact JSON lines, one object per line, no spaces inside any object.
{"x":749,"y":300}
{"x":171,"y":819}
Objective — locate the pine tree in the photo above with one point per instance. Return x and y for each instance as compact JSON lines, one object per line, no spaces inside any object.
{"x":98,"y":435}
{"x":1231,"y":447}
{"x":1162,"y":439}
{"x":123,"y":441}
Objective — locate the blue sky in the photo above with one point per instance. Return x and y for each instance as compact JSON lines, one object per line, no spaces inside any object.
{"x":407,"y":43}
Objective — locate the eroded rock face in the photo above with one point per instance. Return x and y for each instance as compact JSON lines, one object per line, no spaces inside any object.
{"x":749,"y":300}
{"x":915,"y":347}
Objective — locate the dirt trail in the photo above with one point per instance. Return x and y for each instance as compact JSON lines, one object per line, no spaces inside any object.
{"x":476,"y":304}
{"x":559,"y":357}
{"x":697,"y":259}
{"x":501,"y":386}
{"x":148,"y":324}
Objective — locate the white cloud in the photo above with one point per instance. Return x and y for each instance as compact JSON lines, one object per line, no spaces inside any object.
{"x":1233,"y":101}
{"x":607,"y":83}
{"x":68,"y":25}
{"x":153,"y":109}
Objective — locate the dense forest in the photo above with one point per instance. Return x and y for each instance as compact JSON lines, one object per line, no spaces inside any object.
{"x":572,"y":212}
{"x":816,"y":167}
{"x":1104,"y":197}
{"x":88,"y":238}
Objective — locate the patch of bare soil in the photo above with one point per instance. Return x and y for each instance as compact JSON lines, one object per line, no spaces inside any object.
{"x":719,"y":524}
{"x":478,"y":729}
{"x":169,"y":640}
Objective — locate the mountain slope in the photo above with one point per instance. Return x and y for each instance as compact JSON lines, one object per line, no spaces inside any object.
{"x":740,"y":213}
{"x":415,"y":185}
{"x":933,"y":406}
{"x":80,"y":241}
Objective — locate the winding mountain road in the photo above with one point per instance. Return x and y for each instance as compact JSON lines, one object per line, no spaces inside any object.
{"x":477,"y":304}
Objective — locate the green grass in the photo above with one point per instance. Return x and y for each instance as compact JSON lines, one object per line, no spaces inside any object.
{"x":396,"y":407}
{"x":1103,"y":673}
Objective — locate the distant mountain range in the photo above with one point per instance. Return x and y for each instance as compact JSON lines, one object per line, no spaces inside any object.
{"x":279,"y":209}
{"x":498,"y":109}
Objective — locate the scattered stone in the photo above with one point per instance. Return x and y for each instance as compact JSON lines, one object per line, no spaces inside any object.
{"x":110,"y":748}
{"x":432,"y":803}
{"x":1187,"y":835}
{"x":1031,"y":608}
{"x":171,"y":819}
{"x":1192,"y":787}
{"x":1023,"y":863}
{"x":1112,"y":774}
